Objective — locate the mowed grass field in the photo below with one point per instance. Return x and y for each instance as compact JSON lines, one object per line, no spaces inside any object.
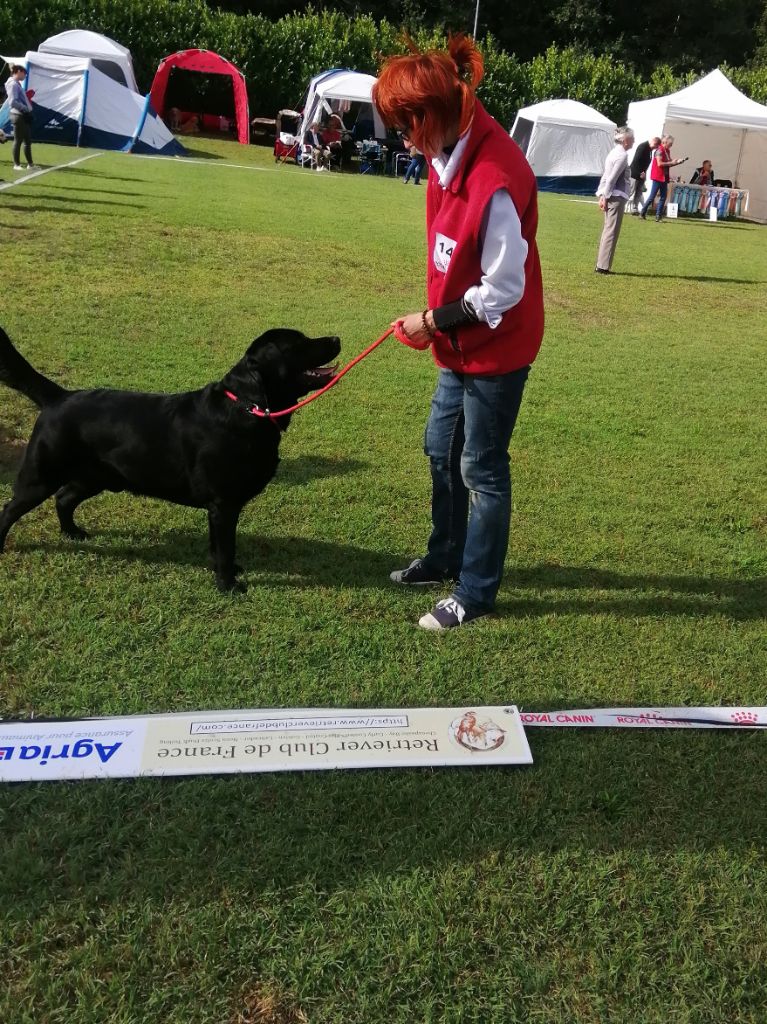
{"x":623,"y":877}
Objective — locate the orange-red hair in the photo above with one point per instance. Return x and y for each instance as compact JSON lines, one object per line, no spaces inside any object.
{"x":430,"y":95}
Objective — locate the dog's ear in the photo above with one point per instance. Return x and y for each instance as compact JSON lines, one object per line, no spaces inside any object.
{"x":244,"y":381}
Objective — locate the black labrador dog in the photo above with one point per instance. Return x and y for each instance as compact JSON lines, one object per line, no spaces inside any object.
{"x":205,"y":448}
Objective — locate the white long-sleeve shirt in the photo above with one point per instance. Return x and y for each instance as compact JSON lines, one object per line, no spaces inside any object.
{"x":616,"y":178}
{"x":504,"y":250}
{"x":17,"y":98}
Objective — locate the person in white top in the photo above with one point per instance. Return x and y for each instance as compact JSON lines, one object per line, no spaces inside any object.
{"x":20,"y":109}
{"x":613,"y":191}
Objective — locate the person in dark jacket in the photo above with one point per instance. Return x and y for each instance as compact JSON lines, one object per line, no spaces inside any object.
{"x":638,"y":168}
{"x":703,"y":175}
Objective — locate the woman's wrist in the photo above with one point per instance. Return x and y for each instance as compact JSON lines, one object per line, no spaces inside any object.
{"x":427,"y":322}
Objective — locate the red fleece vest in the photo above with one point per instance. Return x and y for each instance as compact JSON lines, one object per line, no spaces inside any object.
{"x":660,"y":173}
{"x":491,"y":161}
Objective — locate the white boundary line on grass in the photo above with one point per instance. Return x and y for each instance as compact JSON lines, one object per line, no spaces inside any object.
{"x":215,"y":163}
{"x":565,"y":199}
{"x":45,"y":170}
{"x":191,"y":160}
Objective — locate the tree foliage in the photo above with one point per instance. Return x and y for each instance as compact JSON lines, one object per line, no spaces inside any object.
{"x":279,"y":56}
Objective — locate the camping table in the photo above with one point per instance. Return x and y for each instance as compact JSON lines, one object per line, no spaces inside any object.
{"x":689,"y":198}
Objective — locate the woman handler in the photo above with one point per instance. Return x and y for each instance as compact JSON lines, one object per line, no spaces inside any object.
{"x":484,"y":321}
{"x":659,"y":176}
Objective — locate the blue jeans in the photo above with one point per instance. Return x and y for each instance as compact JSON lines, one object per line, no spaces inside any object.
{"x":467,"y":440}
{"x":414,"y":169}
{"x":656,"y":188}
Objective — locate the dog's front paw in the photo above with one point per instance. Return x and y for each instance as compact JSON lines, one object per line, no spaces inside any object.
{"x":231,"y":586}
{"x":212,"y":565}
{"x":76,"y":534}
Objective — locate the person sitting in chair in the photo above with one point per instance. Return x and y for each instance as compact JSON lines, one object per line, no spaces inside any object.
{"x":332,"y":137}
{"x":703,"y":175}
{"x":320,"y":152}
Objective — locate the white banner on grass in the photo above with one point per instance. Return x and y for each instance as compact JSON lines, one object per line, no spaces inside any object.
{"x":277,"y":740}
{"x":654,"y":718}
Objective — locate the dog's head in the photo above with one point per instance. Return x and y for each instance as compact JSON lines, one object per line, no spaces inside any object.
{"x":280,"y":367}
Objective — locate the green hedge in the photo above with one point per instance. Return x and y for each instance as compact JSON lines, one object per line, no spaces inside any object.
{"x":279,"y":57}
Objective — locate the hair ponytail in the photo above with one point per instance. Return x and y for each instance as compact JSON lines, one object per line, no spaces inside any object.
{"x":469,"y":64}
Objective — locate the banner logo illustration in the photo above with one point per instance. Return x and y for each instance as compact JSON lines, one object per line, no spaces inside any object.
{"x":480,"y":737}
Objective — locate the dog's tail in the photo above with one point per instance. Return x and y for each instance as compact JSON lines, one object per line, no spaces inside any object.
{"x":17,"y":373}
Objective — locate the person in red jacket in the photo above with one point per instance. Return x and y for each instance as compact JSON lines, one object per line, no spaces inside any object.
{"x":662,"y":161}
{"x":484,"y":320}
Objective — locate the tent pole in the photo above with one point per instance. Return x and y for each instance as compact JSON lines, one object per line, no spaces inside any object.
{"x":740,"y":155}
{"x":141,"y":123}
{"x":81,"y":119}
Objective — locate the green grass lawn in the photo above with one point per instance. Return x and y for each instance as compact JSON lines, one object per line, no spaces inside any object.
{"x":623,"y":878}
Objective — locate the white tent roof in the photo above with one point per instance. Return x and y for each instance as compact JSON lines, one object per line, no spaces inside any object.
{"x":712,"y":120}
{"x":713,"y":100}
{"x":339,"y":85}
{"x":570,"y":112}
{"x":348,"y":85}
{"x":83,"y":43}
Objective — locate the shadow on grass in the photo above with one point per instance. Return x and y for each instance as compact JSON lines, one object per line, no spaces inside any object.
{"x":589,"y":792}
{"x":304,"y":468}
{"x":651,"y":594}
{"x":61,"y":204}
{"x":697,"y":221}
{"x":293,"y":562}
{"x":298,"y":562}
{"x":11,"y":454}
{"x":85,"y":173}
{"x":194,"y":153}
{"x":100,"y":191}
{"x":689,"y":277}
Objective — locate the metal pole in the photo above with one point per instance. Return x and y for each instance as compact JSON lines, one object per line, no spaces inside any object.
{"x":476,"y":19}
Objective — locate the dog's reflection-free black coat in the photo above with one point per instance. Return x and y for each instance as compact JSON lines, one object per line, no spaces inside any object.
{"x":196,"y":448}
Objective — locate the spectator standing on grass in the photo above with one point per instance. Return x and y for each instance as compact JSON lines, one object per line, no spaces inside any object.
{"x":413,"y":169}
{"x":484,"y":320}
{"x":613,"y":192}
{"x":20,"y":109}
{"x":659,"y":174}
{"x":639,"y":164}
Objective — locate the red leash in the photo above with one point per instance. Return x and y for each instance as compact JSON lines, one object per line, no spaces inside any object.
{"x":267,"y":415}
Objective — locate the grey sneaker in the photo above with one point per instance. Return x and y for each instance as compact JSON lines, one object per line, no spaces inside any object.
{"x":418,"y":574}
{"x":446,"y":614}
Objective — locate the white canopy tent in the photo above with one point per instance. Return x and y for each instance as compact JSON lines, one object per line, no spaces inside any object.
{"x":76,"y":104}
{"x":108,"y":56}
{"x":565,"y":143}
{"x":712,"y":120}
{"x":333,"y":92}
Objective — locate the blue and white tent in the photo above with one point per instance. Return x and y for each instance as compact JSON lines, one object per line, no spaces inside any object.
{"x":78,"y":105}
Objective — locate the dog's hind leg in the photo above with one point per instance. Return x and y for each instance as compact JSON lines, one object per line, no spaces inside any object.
{"x":24,"y":500}
{"x":68,"y":498}
{"x":222,"y":522}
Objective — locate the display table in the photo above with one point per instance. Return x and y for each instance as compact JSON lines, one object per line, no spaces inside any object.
{"x":691,"y":199}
